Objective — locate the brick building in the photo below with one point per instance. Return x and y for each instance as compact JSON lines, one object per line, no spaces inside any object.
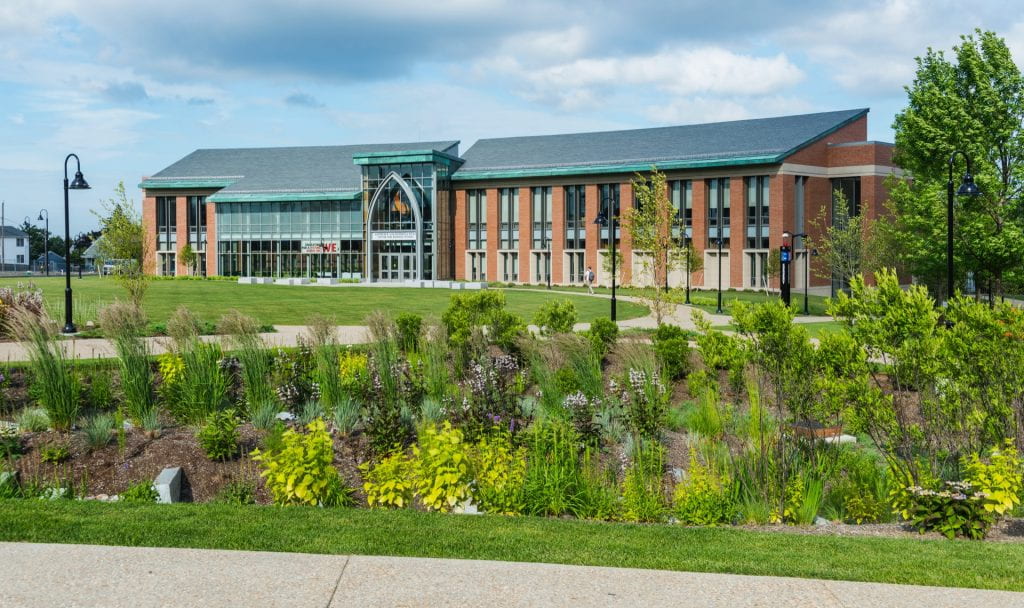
{"x":512,"y":209}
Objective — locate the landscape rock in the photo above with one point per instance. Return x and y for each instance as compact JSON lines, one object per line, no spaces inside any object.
{"x":821,"y":521}
{"x":168,"y":485}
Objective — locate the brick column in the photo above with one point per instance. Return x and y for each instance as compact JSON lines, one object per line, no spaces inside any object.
{"x":592,"y":206}
{"x":211,"y":239}
{"x":149,"y":233}
{"x":557,"y":235}
{"x":626,"y":242}
{"x":700,"y":228}
{"x":461,"y":235}
{"x":525,"y":235}
{"x":737,"y":231}
{"x":493,"y":224}
{"x":181,"y":215}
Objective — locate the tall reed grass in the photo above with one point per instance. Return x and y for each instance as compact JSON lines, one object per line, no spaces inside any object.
{"x":51,"y":367}
{"x":124,"y":323}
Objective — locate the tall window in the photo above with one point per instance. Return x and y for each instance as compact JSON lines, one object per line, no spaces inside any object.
{"x":166,"y":223}
{"x":197,"y":222}
{"x":799,"y":208}
{"x":757,"y":212}
{"x":849,"y":187}
{"x":575,"y":217}
{"x":508,"y":207}
{"x":541,"y":216}
{"x":718,"y":210}
{"x":476,"y":203}
{"x":608,"y":197}
{"x":510,"y":266}
{"x":681,"y":197}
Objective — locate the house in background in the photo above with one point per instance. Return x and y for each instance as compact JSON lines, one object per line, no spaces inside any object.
{"x":57,"y":263}
{"x":91,"y":256}
{"x":14,"y":254}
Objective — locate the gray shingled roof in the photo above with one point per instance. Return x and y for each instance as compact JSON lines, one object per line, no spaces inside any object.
{"x":11,"y":232}
{"x":288,"y":169}
{"x":734,"y":140}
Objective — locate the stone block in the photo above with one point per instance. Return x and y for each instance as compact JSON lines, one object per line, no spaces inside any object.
{"x":168,"y":485}
{"x":327,"y":281}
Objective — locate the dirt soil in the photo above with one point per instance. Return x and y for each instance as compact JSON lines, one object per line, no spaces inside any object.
{"x":1010,"y":529}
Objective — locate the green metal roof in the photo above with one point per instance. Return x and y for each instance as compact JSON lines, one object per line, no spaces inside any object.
{"x":186,"y":184}
{"x":405,"y":156}
{"x":740,"y":142}
{"x":255,"y":197}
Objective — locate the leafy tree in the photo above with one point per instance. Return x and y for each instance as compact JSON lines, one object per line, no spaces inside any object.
{"x":974,"y":103}
{"x":188,"y":258}
{"x":850,"y":245}
{"x":650,"y":225}
{"x":124,"y":241}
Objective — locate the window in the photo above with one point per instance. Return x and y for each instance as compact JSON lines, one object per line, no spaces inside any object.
{"x":681,"y":197}
{"x":575,"y":217}
{"x":576,"y":267}
{"x":541,"y":267}
{"x":849,"y":189}
{"x":476,"y":202}
{"x":19,"y":242}
{"x":757,"y":212}
{"x":757,"y":268}
{"x":21,"y":257}
{"x":510,"y":267}
{"x":477,"y":266}
{"x":166,"y":223}
{"x":799,"y":208}
{"x":608,"y":197}
{"x":508,"y":208}
{"x":718,"y":210}
{"x":197,"y":222}
{"x":541,"y":216}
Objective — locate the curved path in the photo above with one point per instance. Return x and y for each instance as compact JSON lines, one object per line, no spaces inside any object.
{"x":137,"y":577}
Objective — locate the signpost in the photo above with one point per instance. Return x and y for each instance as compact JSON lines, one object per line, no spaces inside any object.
{"x":785,"y":256}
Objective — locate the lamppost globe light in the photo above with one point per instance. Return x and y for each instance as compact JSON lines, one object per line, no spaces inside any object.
{"x":967,"y":188}
{"x":79,"y":183}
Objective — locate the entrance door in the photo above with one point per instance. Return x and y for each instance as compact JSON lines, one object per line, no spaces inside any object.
{"x":408,"y":266}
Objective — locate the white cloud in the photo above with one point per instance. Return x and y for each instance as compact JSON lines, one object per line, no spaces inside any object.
{"x":700,"y":109}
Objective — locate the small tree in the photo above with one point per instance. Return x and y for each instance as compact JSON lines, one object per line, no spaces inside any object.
{"x":188,"y":258}
{"x":124,"y":241}
{"x":850,"y":245}
{"x":650,"y":225}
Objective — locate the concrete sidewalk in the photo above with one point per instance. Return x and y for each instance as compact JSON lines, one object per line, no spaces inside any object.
{"x":86,"y":575}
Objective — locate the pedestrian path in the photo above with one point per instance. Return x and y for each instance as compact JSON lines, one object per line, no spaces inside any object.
{"x":42,"y":575}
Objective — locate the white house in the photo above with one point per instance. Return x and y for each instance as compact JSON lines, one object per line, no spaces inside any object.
{"x":14,"y":250}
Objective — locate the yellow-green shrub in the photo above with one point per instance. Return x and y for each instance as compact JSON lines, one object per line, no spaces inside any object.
{"x":704,"y":498}
{"x":1000,"y":478}
{"x":441,"y":467}
{"x":353,"y":370}
{"x":388,"y":484}
{"x":499,"y":472}
{"x":301,"y":471}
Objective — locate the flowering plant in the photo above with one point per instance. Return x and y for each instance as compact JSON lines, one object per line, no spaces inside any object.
{"x":956,"y":510}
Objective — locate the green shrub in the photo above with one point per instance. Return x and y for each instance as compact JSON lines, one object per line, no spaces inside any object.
{"x":54,"y":453}
{"x":704,"y":498}
{"x":642,"y":496}
{"x":141,"y":492}
{"x":255,"y":359}
{"x":804,"y":496}
{"x":441,"y":467}
{"x":707,"y":418}
{"x":10,"y":441}
{"x":499,"y":471}
{"x":346,"y":414}
{"x":124,"y":323}
{"x":219,"y":436}
{"x":52,"y":370}
{"x":99,"y":430}
{"x":99,"y":394}
{"x":717,"y":349}
{"x":33,"y":420}
{"x":237,"y":492}
{"x":310,"y":411}
{"x":556,"y":317}
{"x":409,"y":327}
{"x":264,"y":415}
{"x":203,"y":387}
{"x":646,"y":401}
{"x":673,"y":355}
{"x":301,"y":471}
{"x":388,"y":483}
{"x":553,"y":472}
{"x":468,"y":314}
{"x":603,"y":333}
{"x":353,"y":372}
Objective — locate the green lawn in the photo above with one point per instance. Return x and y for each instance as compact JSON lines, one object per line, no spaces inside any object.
{"x":409,"y":533}
{"x":814,"y":330}
{"x":707,"y":300}
{"x":290,"y":305}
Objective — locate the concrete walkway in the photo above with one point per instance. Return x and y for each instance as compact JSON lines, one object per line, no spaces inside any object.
{"x":111,"y":577}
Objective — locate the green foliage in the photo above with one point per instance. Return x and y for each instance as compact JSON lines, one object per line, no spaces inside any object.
{"x":499,"y":472}
{"x":553,"y":470}
{"x":468,"y":314}
{"x":346,"y":414}
{"x":556,"y":317}
{"x":708,"y":418}
{"x":1000,"y":479}
{"x":645,"y":400}
{"x":353,"y":372}
{"x":99,"y":394}
{"x":850,"y":245}
{"x":409,"y":325}
{"x":52,"y":370}
{"x":237,"y":492}
{"x":388,"y":483}
{"x":33,"y":420}
{"x":203,"y":388}
{"x":124,"y":240}
{"x":804,"y":496}
{"x":141,"y":492}
{"x":219,"y":436}
{"x":672,"y":348}
{"x":704,"y":498}
{"x":718,"y":350}
{"x":54,"y":453}
{"x":99,"y":430}
{"x":301,"y":470}
{"x":642,"y":497}
{"x":441,"y":467}
{"x":256,"y":360}
{"x":264,"y":415}
{"x":603,"y":334}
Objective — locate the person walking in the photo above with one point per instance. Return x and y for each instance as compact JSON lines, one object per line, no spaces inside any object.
{"x":588,"y":278}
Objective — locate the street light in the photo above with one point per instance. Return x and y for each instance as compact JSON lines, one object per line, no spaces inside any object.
{"x":686,"y":243}
{"x":602,"y":220}
{"x":719,"y":309}
{"x":79,"y":183}
{"x":46,"y":239}
{"x":807,"y":268}
{"x":967,"y":188}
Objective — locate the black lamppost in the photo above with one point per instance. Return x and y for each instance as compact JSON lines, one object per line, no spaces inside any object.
{"x":719,"y":309}
{"x":807,"y":267}
{"x":602,"y":220}
{"x":46,"y":239}
{"x":547,"y":270}
{"x":78,"y":184}
{"x":967,"y":188}
{"x":686,"y":244}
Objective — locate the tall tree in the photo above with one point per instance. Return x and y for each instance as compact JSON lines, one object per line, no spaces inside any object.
{"x":124,"y":242}
{"x":975,"y":104}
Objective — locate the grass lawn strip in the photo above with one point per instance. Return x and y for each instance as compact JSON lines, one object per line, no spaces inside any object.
{"x":988,"y":565}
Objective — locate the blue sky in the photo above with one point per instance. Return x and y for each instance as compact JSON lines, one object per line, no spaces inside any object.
{"x":131,"y":86}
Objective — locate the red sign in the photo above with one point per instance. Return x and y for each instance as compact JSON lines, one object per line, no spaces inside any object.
{"x":320,"y":248}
